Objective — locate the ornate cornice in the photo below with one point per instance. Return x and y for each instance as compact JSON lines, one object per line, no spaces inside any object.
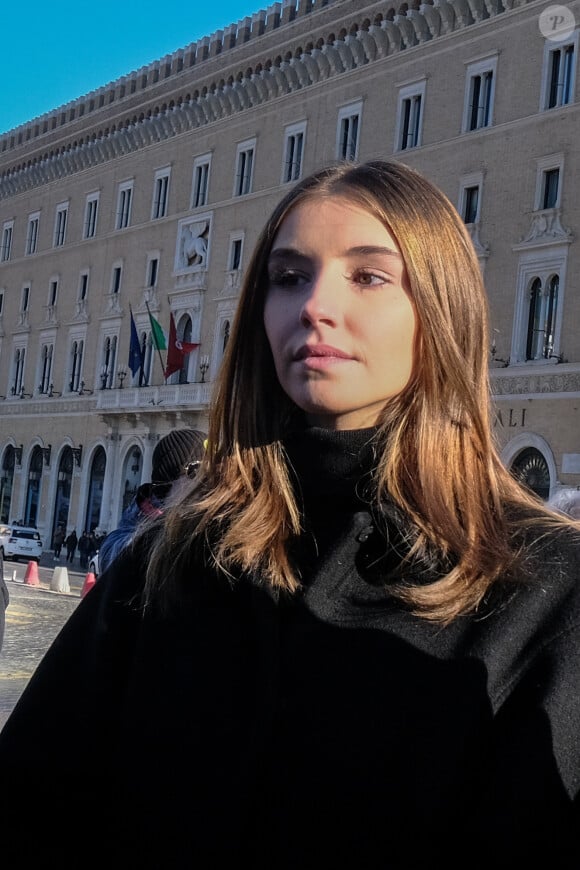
{"x":388,"y":34}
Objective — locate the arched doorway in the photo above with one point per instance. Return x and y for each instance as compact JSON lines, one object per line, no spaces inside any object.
{"x":531,"y":469}
{"x":32,"y":502}
{"x":6,"y":483}
{"x":63,"y":488}
{"x":95,"y":497}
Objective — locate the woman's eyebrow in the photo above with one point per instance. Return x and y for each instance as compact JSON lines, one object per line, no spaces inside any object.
{"x":285,"y":252}
{"x":365,"y":250}
{"x":382,"y":250}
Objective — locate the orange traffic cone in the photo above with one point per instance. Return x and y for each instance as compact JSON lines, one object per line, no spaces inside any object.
{"x":31,"y":577}
{"x":90,"y":581}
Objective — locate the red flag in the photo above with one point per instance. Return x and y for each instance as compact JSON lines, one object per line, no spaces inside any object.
{"x":176,"y":349}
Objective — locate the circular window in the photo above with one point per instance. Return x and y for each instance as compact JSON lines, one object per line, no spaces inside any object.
{"x":531,"y":469}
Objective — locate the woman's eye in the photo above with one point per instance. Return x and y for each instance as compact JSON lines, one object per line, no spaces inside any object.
{"x":285,"y":278}
{"x":369,"y":279}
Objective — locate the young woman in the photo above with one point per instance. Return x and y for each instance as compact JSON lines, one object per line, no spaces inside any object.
{"x":354,"y":640}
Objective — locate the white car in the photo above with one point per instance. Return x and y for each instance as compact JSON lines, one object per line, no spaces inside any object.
{"x":94,"y":564}
{"x":23,"y":542}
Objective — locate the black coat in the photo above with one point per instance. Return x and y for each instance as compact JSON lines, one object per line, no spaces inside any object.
{"x":330,"y":730}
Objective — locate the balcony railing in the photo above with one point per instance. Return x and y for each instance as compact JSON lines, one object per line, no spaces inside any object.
{"x":167,"y":395}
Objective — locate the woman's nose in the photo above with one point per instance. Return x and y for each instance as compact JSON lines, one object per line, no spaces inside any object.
{"x":321,"y":301}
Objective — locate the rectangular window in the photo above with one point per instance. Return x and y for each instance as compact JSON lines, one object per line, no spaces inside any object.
{"x":559,"y":74}
{"x":235,"y":255}
{"x":200,"y":184}
{"x":471,"y":204}
{"x":32,"y":234}
{"x":1,"y":303}
{"x":160,"y":193}
{"x":244,"y":168}
{"x":6,"y":251}
{"x":480,"y":102}
{"x":25,"y":300}
{"x":60,"y":225}
{"x":52,"y":293}
{"x":83,"y":286}
{"x":410,"y":116}
{"x":116,"y":279}
{"x":551,"y":183}
{"x":293,"y":150}
{"x":479,"y":93}
{"x":152,"y":271}
{"x":91,"y":210}
{"x":347,"y":136}
{"x":124,"y":205}
{"x":549,"y":175}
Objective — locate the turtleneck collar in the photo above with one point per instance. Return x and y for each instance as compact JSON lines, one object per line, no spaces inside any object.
{"x":331,"y":464}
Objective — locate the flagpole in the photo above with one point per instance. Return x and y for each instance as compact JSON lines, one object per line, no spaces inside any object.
{"x":156,"y":346}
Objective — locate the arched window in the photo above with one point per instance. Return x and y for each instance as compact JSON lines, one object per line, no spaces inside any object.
{"x":531,"y":469}
{"x":109,"y":363}
{"x":542,"y":311}
{"x":76,"y":364}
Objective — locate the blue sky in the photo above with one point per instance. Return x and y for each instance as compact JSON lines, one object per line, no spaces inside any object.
{"x":54,"y":53}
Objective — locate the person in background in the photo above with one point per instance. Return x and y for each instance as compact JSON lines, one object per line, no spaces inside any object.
{"x":567,"y":501}
{"x":353,"y":639}
{"x":71,"y":543}
{"x":58,"y":541}
{"x":175,"y":456}
{"x":84,"y":549}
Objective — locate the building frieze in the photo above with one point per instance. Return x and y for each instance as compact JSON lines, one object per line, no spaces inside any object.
{"x":555,"y":381}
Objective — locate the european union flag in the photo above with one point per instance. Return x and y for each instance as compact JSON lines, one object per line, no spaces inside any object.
{"x":135,"y":354}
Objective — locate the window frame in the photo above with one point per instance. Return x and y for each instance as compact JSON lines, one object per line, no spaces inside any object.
{"x":346,"y":114}
{"x":289,"y":174}
{"x":542,"y":264}
{"x":408,"y":92}
{"x":32,"y":231}
{"x":468,"y":182}
{"x":60,"y":224}
{"x":7,"y":241}
{"x":160,"y":201}
{"x":477,"y":69}
{"x":236,"y":244}
{"x":243,"y":179}
{"x":550,"y":49}
{"x":545,"y":165}
{"x":124,"y":205}
{"x":152,"y":272}
{"x":116,"y":279}
{"x":200,"y":163}
{"x":91,"y":215}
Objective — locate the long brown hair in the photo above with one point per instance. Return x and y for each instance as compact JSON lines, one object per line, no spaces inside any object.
{"x":439,"y":462}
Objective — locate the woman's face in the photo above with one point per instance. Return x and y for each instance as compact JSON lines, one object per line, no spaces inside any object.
{"x":338,"y":314}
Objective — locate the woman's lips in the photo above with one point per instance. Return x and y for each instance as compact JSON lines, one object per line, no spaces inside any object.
{"x":320,"y":352}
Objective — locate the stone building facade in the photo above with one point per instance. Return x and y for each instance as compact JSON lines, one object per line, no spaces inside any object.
{"x":145,"y":197}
